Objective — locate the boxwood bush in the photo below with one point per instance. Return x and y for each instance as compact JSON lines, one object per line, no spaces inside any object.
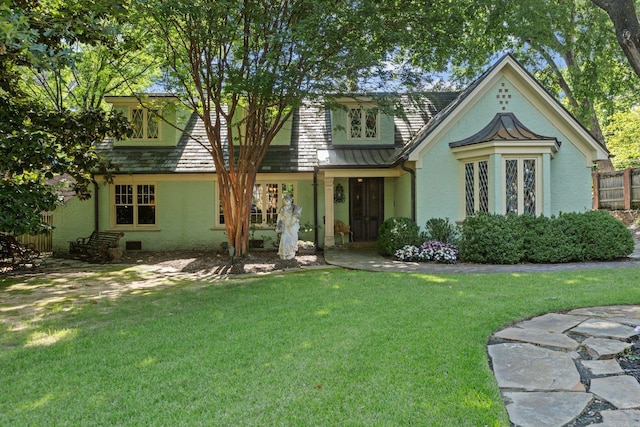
{"x":395,"y":233}
{"x":568,"y":237}
{"x":492,"y":239}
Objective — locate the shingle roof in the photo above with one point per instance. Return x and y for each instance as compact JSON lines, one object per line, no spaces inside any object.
{"x":311,"y":144}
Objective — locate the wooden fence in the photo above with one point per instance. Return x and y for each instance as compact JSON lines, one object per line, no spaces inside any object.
{"x":43,"y":242}
{"x":619,"y":190}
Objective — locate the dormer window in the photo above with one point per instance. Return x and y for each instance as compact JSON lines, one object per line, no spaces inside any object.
{"x":145,"y":124}
{"x":363,"y":123}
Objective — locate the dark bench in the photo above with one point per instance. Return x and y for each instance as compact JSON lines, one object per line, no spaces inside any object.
{"x":95,"y":248}
{"x":14,"y":254}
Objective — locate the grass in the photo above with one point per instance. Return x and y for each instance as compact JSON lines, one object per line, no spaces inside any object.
{"x":324,"y":348}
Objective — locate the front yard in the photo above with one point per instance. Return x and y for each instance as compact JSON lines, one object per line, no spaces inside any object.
{"x":326,"y":347}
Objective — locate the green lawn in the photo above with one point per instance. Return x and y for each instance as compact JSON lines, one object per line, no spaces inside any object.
{"x":324,"y":348}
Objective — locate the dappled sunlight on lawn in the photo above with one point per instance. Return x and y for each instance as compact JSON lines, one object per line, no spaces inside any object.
{"x":45,"y":338}
{"x":26,"y":299}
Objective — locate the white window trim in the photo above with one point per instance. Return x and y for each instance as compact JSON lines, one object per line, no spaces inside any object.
{"x":135,"y":226}
{"x":538,"y":182}
{"x":264,"y":224}
{"x":476,"y":185}
{"x":363,"y":115}
{"x":145,"y":124}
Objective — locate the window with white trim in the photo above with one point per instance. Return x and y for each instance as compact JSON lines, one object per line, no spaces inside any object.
{"x":476,"y":187}
{"x":520,"y":185}
{"x":363,"y":123}
{"x":145,"y":124}
{"x":266,"y":200}
{"x":135,"y":205}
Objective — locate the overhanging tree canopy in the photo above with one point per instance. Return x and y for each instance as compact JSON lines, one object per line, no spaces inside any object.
{"x":244,"y":65}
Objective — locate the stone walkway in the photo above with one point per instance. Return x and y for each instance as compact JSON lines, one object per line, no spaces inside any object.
{"x":552,"y":368}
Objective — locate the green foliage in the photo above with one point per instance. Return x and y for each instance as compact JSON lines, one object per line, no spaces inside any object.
{"x":623,"y":137}
{"x":42,"y":143}
{"x":491,"y":239}
{"x":604,"y":237}
{"x":569,"y":237}
{"x":395,"y":233}
{"x":551,"y":240}
{"x":441,"y":230}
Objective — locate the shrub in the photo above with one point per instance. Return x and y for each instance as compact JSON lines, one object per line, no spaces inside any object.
{"x":491,"y":239}
{"x":605,"y":237}
{"x":441,"y":230}
{"x":395,"y":233}
{"x":589,"y":236}
{"x":549,"y":240}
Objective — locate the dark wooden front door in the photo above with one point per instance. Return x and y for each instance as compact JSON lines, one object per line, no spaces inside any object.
{"x":366,"y":207}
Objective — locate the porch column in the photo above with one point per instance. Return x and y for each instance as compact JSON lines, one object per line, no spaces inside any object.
{"x":329,"y":238}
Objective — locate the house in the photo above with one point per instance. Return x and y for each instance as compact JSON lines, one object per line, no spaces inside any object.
{"x":502,"y":145}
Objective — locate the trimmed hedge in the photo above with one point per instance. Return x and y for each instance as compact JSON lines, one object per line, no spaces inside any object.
{"x":568,"y":237}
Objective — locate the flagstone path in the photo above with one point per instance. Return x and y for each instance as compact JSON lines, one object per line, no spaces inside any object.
{"x":560,"y":369}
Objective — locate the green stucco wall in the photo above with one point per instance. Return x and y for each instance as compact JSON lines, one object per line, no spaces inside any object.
{"x":439,"y":180}
{"x":72,"y":220}
{"x":185,"y":218}
{"x":401,"y":196}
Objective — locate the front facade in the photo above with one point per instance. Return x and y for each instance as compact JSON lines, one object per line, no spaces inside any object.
{"x":502,"y":145}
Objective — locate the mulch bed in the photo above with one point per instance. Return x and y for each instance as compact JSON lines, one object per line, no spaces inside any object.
{"x":256,"y":261}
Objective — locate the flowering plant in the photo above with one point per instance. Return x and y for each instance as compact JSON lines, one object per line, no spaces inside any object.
{"x":432,"y":250}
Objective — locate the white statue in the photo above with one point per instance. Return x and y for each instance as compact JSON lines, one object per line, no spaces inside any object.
{"x":288,"y":225}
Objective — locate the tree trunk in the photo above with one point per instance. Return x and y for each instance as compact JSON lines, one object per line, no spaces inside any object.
{"x":625,"y":20}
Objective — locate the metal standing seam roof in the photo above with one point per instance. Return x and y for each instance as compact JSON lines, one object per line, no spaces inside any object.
{"x":503,"y":127}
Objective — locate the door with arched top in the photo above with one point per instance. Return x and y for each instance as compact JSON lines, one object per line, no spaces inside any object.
{"x":366,"y":208}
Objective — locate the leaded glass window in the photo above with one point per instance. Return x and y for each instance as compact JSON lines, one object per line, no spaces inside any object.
{"x":529,"y":190}
{"x":520,"y":186}
{"x":137,"y":122}
{"x":145,"y":124}
{"x":469,"y":189}
{"x":371,"y":124}
{"x":152,"y":127}
{"x":483,"y":186}
{"x":476,"y":187}
{"x":363,"y":123}
{"x":511,"y":186}
{"x":355,"y":121}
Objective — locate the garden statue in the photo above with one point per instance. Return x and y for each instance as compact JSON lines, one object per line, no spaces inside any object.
{"x":288,"y":225}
